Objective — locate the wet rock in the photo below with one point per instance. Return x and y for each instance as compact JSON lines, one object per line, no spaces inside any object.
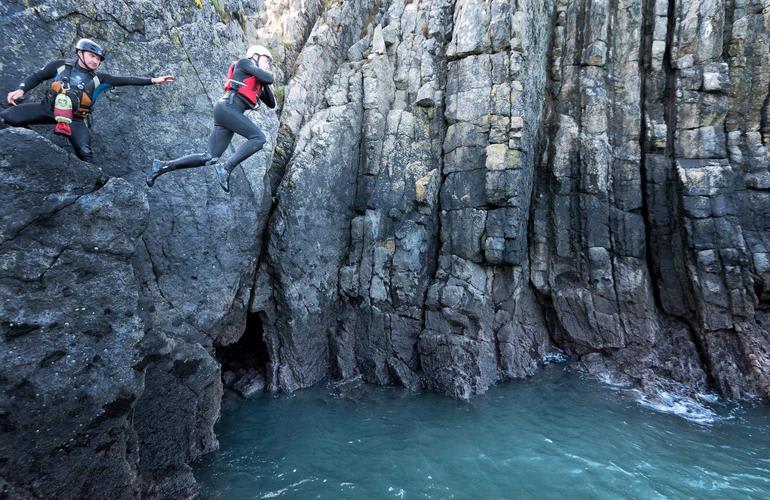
{"x":253,"y":382}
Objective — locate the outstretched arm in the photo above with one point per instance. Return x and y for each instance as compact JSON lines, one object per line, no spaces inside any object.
{"x":45,"y":73}
{"x":267,"y":96}
{"x":119,"y":81}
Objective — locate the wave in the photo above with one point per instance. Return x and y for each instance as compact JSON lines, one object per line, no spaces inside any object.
{"x":680,"y":405}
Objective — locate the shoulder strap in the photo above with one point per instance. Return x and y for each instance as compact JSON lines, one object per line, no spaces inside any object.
{"x":63,"y":72}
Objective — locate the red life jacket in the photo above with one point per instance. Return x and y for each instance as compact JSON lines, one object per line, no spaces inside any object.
{"x":250,"y":87}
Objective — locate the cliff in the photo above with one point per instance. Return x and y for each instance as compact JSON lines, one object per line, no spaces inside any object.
{"x":450,"y":191}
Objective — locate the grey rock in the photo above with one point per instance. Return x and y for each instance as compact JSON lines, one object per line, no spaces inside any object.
{"x":452,"y":190}
{"x":192,"y":265}
{"x":170,"y":439}
{"x":250,"y":384}
{"x":70,"y":330}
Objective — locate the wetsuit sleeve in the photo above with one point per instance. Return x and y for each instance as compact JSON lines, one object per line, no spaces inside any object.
{"x":249,"y":67}
{"x":267,"y":96}
{"x":119,"y":81}
{"x":45,"y":73}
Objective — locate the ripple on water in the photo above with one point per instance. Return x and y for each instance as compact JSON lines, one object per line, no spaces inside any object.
{"x":552,"y":436}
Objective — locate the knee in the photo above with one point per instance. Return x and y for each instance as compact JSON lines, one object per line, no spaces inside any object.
{"x":258,"y":139}
{"x":84,"y":153}
{"x":8,"y":118}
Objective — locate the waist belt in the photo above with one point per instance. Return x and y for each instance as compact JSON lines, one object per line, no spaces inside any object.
{"x":231,"y":95}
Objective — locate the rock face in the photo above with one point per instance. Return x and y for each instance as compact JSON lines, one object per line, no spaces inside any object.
{"x":71,"y":343}
{"x":451,"y":189}
{"x":517,"y":167}
{"x":193,"y":260}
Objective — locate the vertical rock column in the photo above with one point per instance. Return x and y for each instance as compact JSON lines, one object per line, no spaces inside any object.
{"x":481,"y":323}
{"x":664,"y":236}
{"x":746,"y":51}
{"x":597,"y":276}
{"x":335,"y":30}
{"x":716,"y":255}
{"x":316,"y":162}
{"x":590,"y":243}
{"x":395,"y":234}
{"x":309,"y":239}
{"x":70,"y":333}
{"x":721,"y":170}
{"x":705,"y":166}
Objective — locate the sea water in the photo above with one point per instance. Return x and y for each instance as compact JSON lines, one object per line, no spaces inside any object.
{"x":557,"y":435}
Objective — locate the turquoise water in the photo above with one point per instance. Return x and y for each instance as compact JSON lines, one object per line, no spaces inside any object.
{"x":554,"y":436}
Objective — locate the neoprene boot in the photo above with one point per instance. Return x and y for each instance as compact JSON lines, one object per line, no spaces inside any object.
{"x":223,"y":175}
{"x":190,"y":161}
{"x":158,"y":168}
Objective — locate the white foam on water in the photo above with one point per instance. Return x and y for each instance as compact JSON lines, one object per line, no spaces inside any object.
{"x":294,"y":485}
{"x":554,"y":356}
{"x":621,"y":469}
{"x":282,"y":491}
{"x":275,"y":493}
{"x":607,"y":379}
{"x":674,"y":402}
{"x":709,"y":398}
{"x":679,"y":405}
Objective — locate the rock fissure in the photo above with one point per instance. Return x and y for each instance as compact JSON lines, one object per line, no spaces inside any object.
{"x":15,"y":232}
{"x":204,"y":87}
{"x":156,"y":274}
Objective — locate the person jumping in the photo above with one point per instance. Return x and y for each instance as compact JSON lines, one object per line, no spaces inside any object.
{"x":70,"y":99}
{"x":248,"y":81}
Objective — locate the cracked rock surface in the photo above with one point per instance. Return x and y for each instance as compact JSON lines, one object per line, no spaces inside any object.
{"x":450,"y":190}
{"x":72,"y":335}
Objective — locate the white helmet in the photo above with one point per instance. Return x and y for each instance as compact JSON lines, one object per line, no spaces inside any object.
{"x":258,"y":50}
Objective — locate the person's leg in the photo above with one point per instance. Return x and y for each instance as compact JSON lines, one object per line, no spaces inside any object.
{"x":39,"y":113}
{"x":81,"y":140}
{"x":29,"y":113}
{"x":163,"y":167}
{"x":233,"y":118}
{"x":239,"y":123}
{"x":218,"y":141}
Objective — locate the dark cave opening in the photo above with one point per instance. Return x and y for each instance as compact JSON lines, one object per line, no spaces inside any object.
{"x":244,"y":362}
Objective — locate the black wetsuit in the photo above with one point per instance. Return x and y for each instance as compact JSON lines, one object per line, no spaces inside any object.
{"x":80,"y":80}
{"x":229,"y":119}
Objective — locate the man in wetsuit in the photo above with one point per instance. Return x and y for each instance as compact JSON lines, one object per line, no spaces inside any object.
{"x":79,"y":77}
{"x":248,"y":81}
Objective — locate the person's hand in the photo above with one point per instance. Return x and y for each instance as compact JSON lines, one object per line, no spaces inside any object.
{"x":15,"y":96}
{"x":264,"y":63}
{"x":163,"y":79}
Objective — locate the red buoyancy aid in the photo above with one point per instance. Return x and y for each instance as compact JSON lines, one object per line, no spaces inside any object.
{"x":250,"y":87}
